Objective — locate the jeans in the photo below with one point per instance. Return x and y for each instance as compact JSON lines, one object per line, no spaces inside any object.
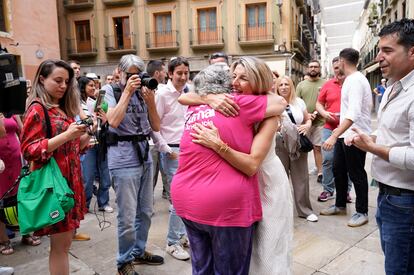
{"x":156,"y":168}
{"x":328,"y":181}
{"x":395,"y":219}
{"x":349,"y":160}
{"x":92,"y":165}
{"x":134,"y":197}
{"x":220,"y":250}
{"x":176,"y":228}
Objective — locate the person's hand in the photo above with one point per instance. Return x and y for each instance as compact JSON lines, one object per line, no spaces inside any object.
{"x":207,"y":136}
{"x":303,"y":129}
{"x":75,"y":130}
{"x":173,"y":156}
{"x":148,"y":95}
{"x":314,"y":115}
{"x":329,"y":116}
{"x":102,"y":116}
{"x":329,"y":143}
{"x":133,"y":83}
{"x":223,"y":103}
{"x":362,"y":140}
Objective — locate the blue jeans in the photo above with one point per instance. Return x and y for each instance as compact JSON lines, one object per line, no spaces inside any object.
{"x":328,"y":181}
{"x":176,"y":228}
{"x":395,"y":219}
{"x":92,"y":165}
{"x":221,"y":250}
{"x":134,"y":197}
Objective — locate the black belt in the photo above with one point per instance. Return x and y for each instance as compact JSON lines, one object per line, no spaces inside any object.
{"x":174,"y":145}
{"x":395,"y":191}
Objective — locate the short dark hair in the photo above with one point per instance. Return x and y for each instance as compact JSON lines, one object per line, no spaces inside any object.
{"x":177,"y":61}
{"x":153,"y":66}
{"x":219,"y":55}
{"x":73,"y":61}
{"x":350,"y":55}
{"x":404,"y":28}
{"x":315,"y":61}
{"x":335,"y":59}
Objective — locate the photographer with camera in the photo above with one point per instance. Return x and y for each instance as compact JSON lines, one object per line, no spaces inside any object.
{"x":132,"y":116}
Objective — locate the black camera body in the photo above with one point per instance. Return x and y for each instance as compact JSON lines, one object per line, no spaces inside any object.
{"x":146,"y":80}
{"x":12,"y":87}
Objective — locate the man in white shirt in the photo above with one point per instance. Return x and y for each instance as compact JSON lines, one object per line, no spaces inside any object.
{"x":393,"y":147}
{"x":356,"y":103}
{"x":172,"y":116}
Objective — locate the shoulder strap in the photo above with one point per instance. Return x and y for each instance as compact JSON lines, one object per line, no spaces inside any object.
{"x":47,"y":118}
{"x":289,"y":112}
{"x":117,"y":92}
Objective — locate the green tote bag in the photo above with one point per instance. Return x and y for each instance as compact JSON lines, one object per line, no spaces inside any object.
{"x":44,"y":196}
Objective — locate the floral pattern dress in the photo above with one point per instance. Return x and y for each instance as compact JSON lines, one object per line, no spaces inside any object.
{"x":34,"y":148}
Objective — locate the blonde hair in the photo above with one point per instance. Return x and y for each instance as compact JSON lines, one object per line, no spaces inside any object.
{"x":69,"y":103}
{"x":258,"y":73}
{"x":292,"y":96}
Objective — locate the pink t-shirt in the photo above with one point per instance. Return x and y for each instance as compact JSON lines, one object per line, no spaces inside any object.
{"x":208,"y":190}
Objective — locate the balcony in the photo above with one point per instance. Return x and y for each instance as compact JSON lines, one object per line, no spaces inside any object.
{"x":116,"y":3}
{"x":78,"y":4}
{"x":301,"y":44}
{"x":299,"y":3}
{"x":206,"y":38}
{"x":308,"y":28}
{"x":81,"y":49}
{"x":262,"y":34}
{"x":120,"y":45}
{"x":162,"y":41}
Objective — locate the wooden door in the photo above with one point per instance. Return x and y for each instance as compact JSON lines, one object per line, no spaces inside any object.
{"x":256,"y":22}
{"x":207,"y":26}
{"x":83,"y":36}
{"x":163,"y":35}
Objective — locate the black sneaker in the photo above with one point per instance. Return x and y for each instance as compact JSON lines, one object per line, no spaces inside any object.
{"x":127,"y":269}
{"x":149,"y":259}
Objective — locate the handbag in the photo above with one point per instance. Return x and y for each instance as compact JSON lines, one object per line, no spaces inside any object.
{"x":43,"y":196}
{"x":305,"y":144}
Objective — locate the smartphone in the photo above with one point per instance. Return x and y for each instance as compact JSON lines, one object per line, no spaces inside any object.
{"x":99,"y":100}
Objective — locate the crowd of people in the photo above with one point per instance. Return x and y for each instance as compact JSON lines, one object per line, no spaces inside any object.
{"x":227,"y":144}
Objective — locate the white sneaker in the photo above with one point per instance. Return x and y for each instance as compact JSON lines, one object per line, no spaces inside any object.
{"x":107,"y":209}
{"x":5,"y":270}
{"x":312,"y":218}
{"x":313,"y":171}
{"x":184,"y":241}
{"x":177,"y":251}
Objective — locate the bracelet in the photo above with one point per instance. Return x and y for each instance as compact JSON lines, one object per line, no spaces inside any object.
{"x":223,"y":148}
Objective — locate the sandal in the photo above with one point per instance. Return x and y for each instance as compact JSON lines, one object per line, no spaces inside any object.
{"x":6,"y":248}
{"x":31,"y":240}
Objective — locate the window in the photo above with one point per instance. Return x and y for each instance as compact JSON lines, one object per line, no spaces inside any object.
{"x":122,"y":35}
{"x":163,"y":34}
{"x":396,"y":15}
{"x":256,"y":21}
{"x":83,"y":36}
{"x":2,"y":17}
{"x":207,"y":25}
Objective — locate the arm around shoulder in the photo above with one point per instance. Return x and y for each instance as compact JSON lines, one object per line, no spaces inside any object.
{"x":275,"y":105}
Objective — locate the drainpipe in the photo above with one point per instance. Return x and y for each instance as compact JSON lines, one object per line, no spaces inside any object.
{"x":290,"y":63}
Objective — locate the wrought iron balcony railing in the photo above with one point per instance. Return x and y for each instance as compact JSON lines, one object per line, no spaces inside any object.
{"x":123,"y":43}
{"x":163,"y":39}
{"x":257,"y":32}
{"x":207,"y":36}
{"x":82,"y":48}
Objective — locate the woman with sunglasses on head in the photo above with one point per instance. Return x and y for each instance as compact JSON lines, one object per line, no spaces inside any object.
{"x":54,"y":87}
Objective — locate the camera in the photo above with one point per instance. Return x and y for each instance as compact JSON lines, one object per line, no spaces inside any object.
{"x":88,"y":121}
{"x":12,"y":87}
{"x":146,"y":80}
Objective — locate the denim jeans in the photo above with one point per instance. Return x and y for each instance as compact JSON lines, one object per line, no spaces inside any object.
{"x":176,"y":228}
{"x":134,"y":197}
{"x":156,"y":168}
{"x":395,"y":219}
{"x":92,"y":165}
{"x":328,"y":181}
{"x":223,"y":250}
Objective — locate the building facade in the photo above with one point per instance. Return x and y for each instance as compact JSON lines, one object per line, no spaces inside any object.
{"x":26,"y":32}
{"x":98,"y":32}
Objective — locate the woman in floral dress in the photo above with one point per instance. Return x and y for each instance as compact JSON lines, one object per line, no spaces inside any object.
{"x":55,"y":88}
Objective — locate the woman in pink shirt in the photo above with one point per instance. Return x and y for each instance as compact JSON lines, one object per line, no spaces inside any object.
{"x":218,"y":203}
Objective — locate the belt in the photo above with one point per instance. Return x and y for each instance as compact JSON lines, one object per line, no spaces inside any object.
{"x":174,"y":145}
{"x":395,"y":191}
